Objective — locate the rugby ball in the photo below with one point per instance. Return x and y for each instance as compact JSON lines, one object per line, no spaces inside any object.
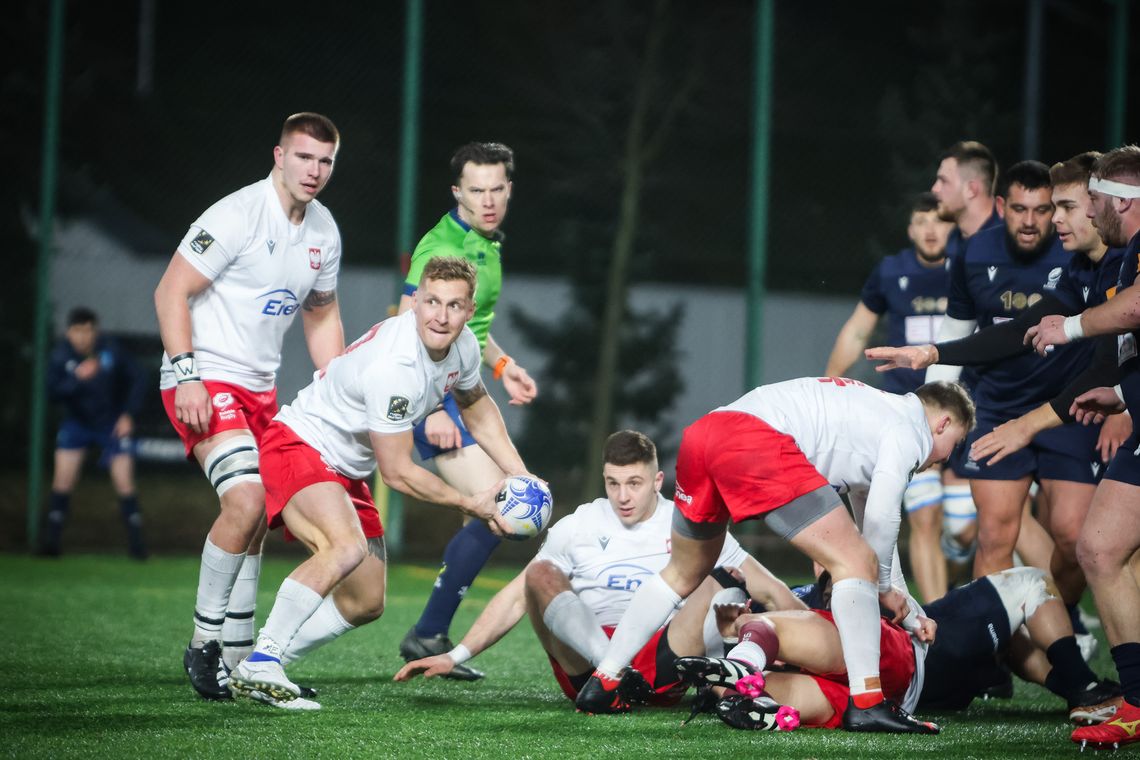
{"x":525,"y":505}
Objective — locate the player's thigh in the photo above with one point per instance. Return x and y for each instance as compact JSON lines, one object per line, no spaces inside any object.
{"x":360,"y":597}
{"x":1070,"y":506}
{"x":68,"y":464}
{"x":999,"y":503}
{"x":323,"y":517}
{"x":801,"y":692}
{"x":1111,"y":531}
{"x":123,"y":474}
{"x":926,"y":520}
{"x":691,"y":560}
{"x":834,"y":542}
{"x":468,"y":470}
{"x":808,"y":641}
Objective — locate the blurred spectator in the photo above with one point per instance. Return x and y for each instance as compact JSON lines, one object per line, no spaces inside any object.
{"x":101,"y":390}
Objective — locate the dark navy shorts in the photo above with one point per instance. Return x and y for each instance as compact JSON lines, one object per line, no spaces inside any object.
{"x":1125,"y":466}
{"x":428,"y":450}
{"x":1062,"y":453}
{"x":75,"y":435}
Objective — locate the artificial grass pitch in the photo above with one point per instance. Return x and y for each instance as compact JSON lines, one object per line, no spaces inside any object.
{"x":91,"y":666}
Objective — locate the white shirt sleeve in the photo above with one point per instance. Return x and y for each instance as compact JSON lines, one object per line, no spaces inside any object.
{"x":393,"y":397}
{"x":215,"y":239}
{"x":471,"y":358}
{"x":558,"y":544}
{"x":330,"y":267}
{"x":898,"y":456}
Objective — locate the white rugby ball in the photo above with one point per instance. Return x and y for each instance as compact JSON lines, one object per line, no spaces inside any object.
{"x":525,"y":504}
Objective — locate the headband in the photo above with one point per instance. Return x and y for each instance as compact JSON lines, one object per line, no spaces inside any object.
{"x":1112,"y":187}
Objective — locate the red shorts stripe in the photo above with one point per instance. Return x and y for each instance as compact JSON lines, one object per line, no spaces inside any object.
{"x":288,"y":464}
{"x":896,"y":670}
{"x":735,"y":466}
{"x":234,"y":408}
{"x":644,"y":662}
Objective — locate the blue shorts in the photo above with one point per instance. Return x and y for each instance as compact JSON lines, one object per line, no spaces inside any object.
{"x":75,"y":435}
{"x":428,"y":450}
{"x":1062,"y":453}
{"x":963,"y":661}
{"x":1125,"y":466}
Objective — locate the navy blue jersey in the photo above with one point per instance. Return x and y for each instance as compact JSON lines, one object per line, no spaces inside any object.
{"x":913,"y":298}
{"x":1127,"y":343}
{"x":1086,"y":283}
{"x":989,"y":285}
{"x":955,"y":243}
{"x":116,"y":388}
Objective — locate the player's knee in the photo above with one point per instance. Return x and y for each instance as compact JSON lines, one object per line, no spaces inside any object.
{"x":544,"y":579}
{"x":232,"y":463}
{"x":1094,"y":560}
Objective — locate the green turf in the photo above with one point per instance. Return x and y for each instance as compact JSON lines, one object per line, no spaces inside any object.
{"x":90,"y":664}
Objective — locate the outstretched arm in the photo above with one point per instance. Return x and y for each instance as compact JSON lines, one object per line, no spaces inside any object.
{"x":851,"y":340}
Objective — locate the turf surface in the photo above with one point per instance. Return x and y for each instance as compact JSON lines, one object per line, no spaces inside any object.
{"x":90,"y":665}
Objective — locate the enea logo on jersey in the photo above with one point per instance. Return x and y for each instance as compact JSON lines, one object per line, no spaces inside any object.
{"x":278,"y":303}
{"x":625,"y":577}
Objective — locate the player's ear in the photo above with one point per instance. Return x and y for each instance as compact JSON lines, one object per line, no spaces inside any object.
{"x":1000,"y":203}
{"x":455,"y":193}
{"x":658,"y":481}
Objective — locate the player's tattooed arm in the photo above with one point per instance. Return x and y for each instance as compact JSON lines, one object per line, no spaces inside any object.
{"x":318,"y":298}
{"x":465,"y":398}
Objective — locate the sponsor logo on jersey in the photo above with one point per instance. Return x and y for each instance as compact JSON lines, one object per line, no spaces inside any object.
{"x":1085,"y":293}
{"x":201,"y":242}
{"x":314,"y":258}
{"x":625,"y":576}
{"x":992,"y":272}
{"x":1053,"y":278}
{"x":397,"y":408}
{"x":1095,"y":468}
{"x":451,"y":378}
{"x":679,"y":495}
{"x":903,"y":282}
{"x":222,"y":400}
{"x":271,"y":244}
{"x":993,"y":635}
{"x":278,"y":303}
{"x":603,"y":541}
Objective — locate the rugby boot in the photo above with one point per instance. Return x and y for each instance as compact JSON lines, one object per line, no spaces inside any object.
{"x":757,"y":713}
{"x":714,"y":671}
{"x":1096,"y":704}
{"x":415,"y":647}
{"x":602,"y":694}
{"x":207,"y":673}
{"x":884,"y":717}
{"x":1123,"y":728}
{"x":266,"y":677}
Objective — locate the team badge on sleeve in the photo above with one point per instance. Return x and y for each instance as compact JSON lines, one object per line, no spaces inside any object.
{"x":397,"y":408}
{"x":314,"y":258}
{"x":201,"y":242}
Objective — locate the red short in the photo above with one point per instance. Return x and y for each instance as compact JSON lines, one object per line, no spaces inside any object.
{"x":235,"y":408}
{"x":734,"y":465}
{"x":288,"y":464}
{"x":896,"y":669}
{"x":644,"y":662}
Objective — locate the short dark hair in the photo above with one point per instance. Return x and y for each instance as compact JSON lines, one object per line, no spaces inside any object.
{"x":81,"y":315}
{"x":924,"y":202}
{"x":951,"y":398}
{"x":1032,"y":175}
{"x":481,"y":154}
{"x":448,"y":268}
{"x":1075,"y":171}
{"x":629,"y":447}
{"x":1119,"y":162}
{"x":316,"y":126}
{"x":975,"y":158}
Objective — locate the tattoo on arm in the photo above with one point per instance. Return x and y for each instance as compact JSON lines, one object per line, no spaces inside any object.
{"x":376,"y":548}
{"x":465,"y":398}
{"x":318,"y":298}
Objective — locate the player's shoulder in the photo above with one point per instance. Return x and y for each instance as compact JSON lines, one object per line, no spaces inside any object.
{"x":985,"y":244}
{"x":322,"y":218}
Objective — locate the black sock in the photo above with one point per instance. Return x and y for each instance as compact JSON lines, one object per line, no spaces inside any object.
{"x":58,"y":506}
{"x":1126,"y":656}
{"x":1070,"y":674}
{"x":132,"y":519}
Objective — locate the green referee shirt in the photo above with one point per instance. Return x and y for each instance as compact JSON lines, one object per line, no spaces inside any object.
{"x":454,"y":237}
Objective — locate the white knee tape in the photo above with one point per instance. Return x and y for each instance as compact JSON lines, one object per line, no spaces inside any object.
{"x":233,"y":461}
{"x":1022,"y":591}
{"x":958,"y":510}
{"x":924,"y":490}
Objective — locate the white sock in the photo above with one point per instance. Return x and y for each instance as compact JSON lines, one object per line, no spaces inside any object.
{"x":237,"y":631}
{"x":714,"y":642}
{"x":855,"y":607}
{"x":215,"y":581}
{"x":295,"y":604}
{"x":325,"y":625}
{"x":648,"y":610}
{"x":569,"y":619}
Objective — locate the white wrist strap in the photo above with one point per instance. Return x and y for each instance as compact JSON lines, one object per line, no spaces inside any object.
{"x":460,"y":654}
{"x":1072,"y":327}
{"x":185,"y":368}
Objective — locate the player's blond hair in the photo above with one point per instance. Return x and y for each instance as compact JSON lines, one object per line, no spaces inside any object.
{"x":450,"y":268}
{"x":951,"y":398}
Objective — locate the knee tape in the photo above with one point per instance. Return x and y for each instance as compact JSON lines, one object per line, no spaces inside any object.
{"x":233,"y":461}
{"x":958,"y":509}
{"x":924,"y":490}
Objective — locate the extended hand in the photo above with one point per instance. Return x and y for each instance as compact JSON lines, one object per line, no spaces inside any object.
{"x":1091,"y":407}
{"x":124,"y":426}
{"x":442,"y":432}
{"x":1050,"y":331}
{"x":896,"y":603}
{"x":902,"y":357}
{"x":1114,"y":432}
{"x":429,"y":667}
{"x":192,"y":406}
{"x":1007,"y":438}
{"x":518,"y":384}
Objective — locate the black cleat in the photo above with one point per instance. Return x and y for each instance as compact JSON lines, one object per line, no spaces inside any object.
{"x":207,"y":674}
{"x":307,"y":692}
{"x":634,"y":688}
{"x":757,"y":714}
{"x":713,"y":671}
{"x":602,"y":695}
{"x":705,"y":701}
{"x":885,"y":717}
{"x":415,"y":647}
{"x":1096,"y":704}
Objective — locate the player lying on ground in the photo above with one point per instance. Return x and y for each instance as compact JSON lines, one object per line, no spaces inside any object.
{"x":579,"y":585}
{"x":1013,"y":618}
{"x":354,"y":417}
{"x":782,"y":452}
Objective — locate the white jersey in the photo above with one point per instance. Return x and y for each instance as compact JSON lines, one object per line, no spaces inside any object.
{"x":862,"y":440}
{"x":385,"y":382}
{"x":262,"y":267}
{"x":607,"y":561}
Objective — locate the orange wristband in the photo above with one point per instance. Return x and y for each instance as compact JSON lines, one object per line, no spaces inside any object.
{"x":500,"y":365}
